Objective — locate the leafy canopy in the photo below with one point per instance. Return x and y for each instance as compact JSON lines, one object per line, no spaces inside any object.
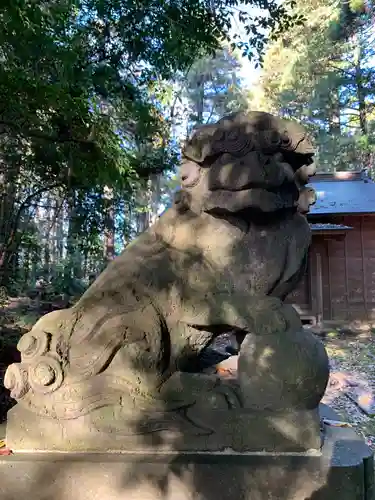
{"x":75,"y":76}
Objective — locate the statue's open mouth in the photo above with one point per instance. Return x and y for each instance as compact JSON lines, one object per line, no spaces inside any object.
{"x":253,"y":199}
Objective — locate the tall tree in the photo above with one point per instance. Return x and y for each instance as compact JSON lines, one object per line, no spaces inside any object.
{"x":321,"y":73}
{"x":212,"y":87}
{"x":79,"y":115}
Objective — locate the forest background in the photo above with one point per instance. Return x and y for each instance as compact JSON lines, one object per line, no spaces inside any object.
{"x":98,"y":95}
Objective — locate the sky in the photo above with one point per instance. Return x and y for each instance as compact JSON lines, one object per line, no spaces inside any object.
{"x":249,"y":73}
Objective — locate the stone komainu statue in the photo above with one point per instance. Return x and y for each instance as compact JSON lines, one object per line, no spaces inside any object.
{"x":122,"y":365}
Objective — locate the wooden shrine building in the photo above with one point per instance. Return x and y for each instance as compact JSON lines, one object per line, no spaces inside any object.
{"x":340,"y":280}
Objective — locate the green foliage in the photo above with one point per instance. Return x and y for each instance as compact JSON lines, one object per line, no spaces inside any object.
{"x":69,"y":70}
{"x":88,"y":109}
{"x":60,"y":77}
{"x":213,"y":88}
{"x":357,"y":6}
{"x":3,"y":297}
{"x":322,"y":74}
{"x":24,"y":320}
{"x":76,"y":74}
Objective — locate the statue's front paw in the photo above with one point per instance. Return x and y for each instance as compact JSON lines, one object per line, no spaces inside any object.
{"x":16,"y":381}
{"x":33,"y":344}
{"x":285,"y":369}
{"x":268,"y":316}
{"x":40,"y":370}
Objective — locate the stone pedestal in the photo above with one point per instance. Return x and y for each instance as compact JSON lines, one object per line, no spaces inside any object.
{"x":210,"y":431}
{"x":343,"y":470}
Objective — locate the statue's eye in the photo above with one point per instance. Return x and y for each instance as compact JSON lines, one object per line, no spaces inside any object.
{"x":189,"y":173}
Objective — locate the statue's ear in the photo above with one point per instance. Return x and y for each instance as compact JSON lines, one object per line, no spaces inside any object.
{"x":182,"y":201}
{"x":304,"y":173}
{"x":190,"y":173}
{"x":306,"y":198}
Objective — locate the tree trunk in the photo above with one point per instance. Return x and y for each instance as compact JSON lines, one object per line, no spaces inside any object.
{"x":361,"y":97}
{"x":144,"y":202}
{"x":334,"y":118}
{"x":73,"y":268}
{"x":155,"y":197}
{"x":9,"y":174}
{"x":200,"y":100}
{"x":109,"y":225}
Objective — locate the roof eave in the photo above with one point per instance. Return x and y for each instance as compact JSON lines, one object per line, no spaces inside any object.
{"x":338,"y":214}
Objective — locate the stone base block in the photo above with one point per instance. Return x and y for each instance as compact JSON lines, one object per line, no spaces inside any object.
{"x":211,"y":431}
{"x":342,"y":471}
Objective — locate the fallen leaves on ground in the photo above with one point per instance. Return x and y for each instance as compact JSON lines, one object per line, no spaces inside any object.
{"x":352,"y":382}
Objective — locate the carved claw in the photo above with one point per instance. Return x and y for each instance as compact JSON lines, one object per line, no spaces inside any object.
{"x":39,"y":370}
{"x":33,"y":344}
{"x":16,"y":380}
{"x":45,"y":375}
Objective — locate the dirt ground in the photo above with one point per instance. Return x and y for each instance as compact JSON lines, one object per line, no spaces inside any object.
{"x":352,"y":362}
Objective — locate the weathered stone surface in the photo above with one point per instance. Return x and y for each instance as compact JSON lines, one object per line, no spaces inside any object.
{"x":343,"y":470}
{"x":223,"y":258}
{"x":206,"y":431}
{"x":121,"y":370}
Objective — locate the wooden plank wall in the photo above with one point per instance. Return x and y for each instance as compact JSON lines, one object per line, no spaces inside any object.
{"x":359,"y":247}
{"x":306,"y":296}
{"x":348,"y":272}
{"x":338,"y":276}
{"x":320,"y":283}
{"x":301,"y":296}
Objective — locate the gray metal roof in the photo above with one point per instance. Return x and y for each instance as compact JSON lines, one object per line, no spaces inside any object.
{"x":329,"y":227}
{"x":343,"y":196}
